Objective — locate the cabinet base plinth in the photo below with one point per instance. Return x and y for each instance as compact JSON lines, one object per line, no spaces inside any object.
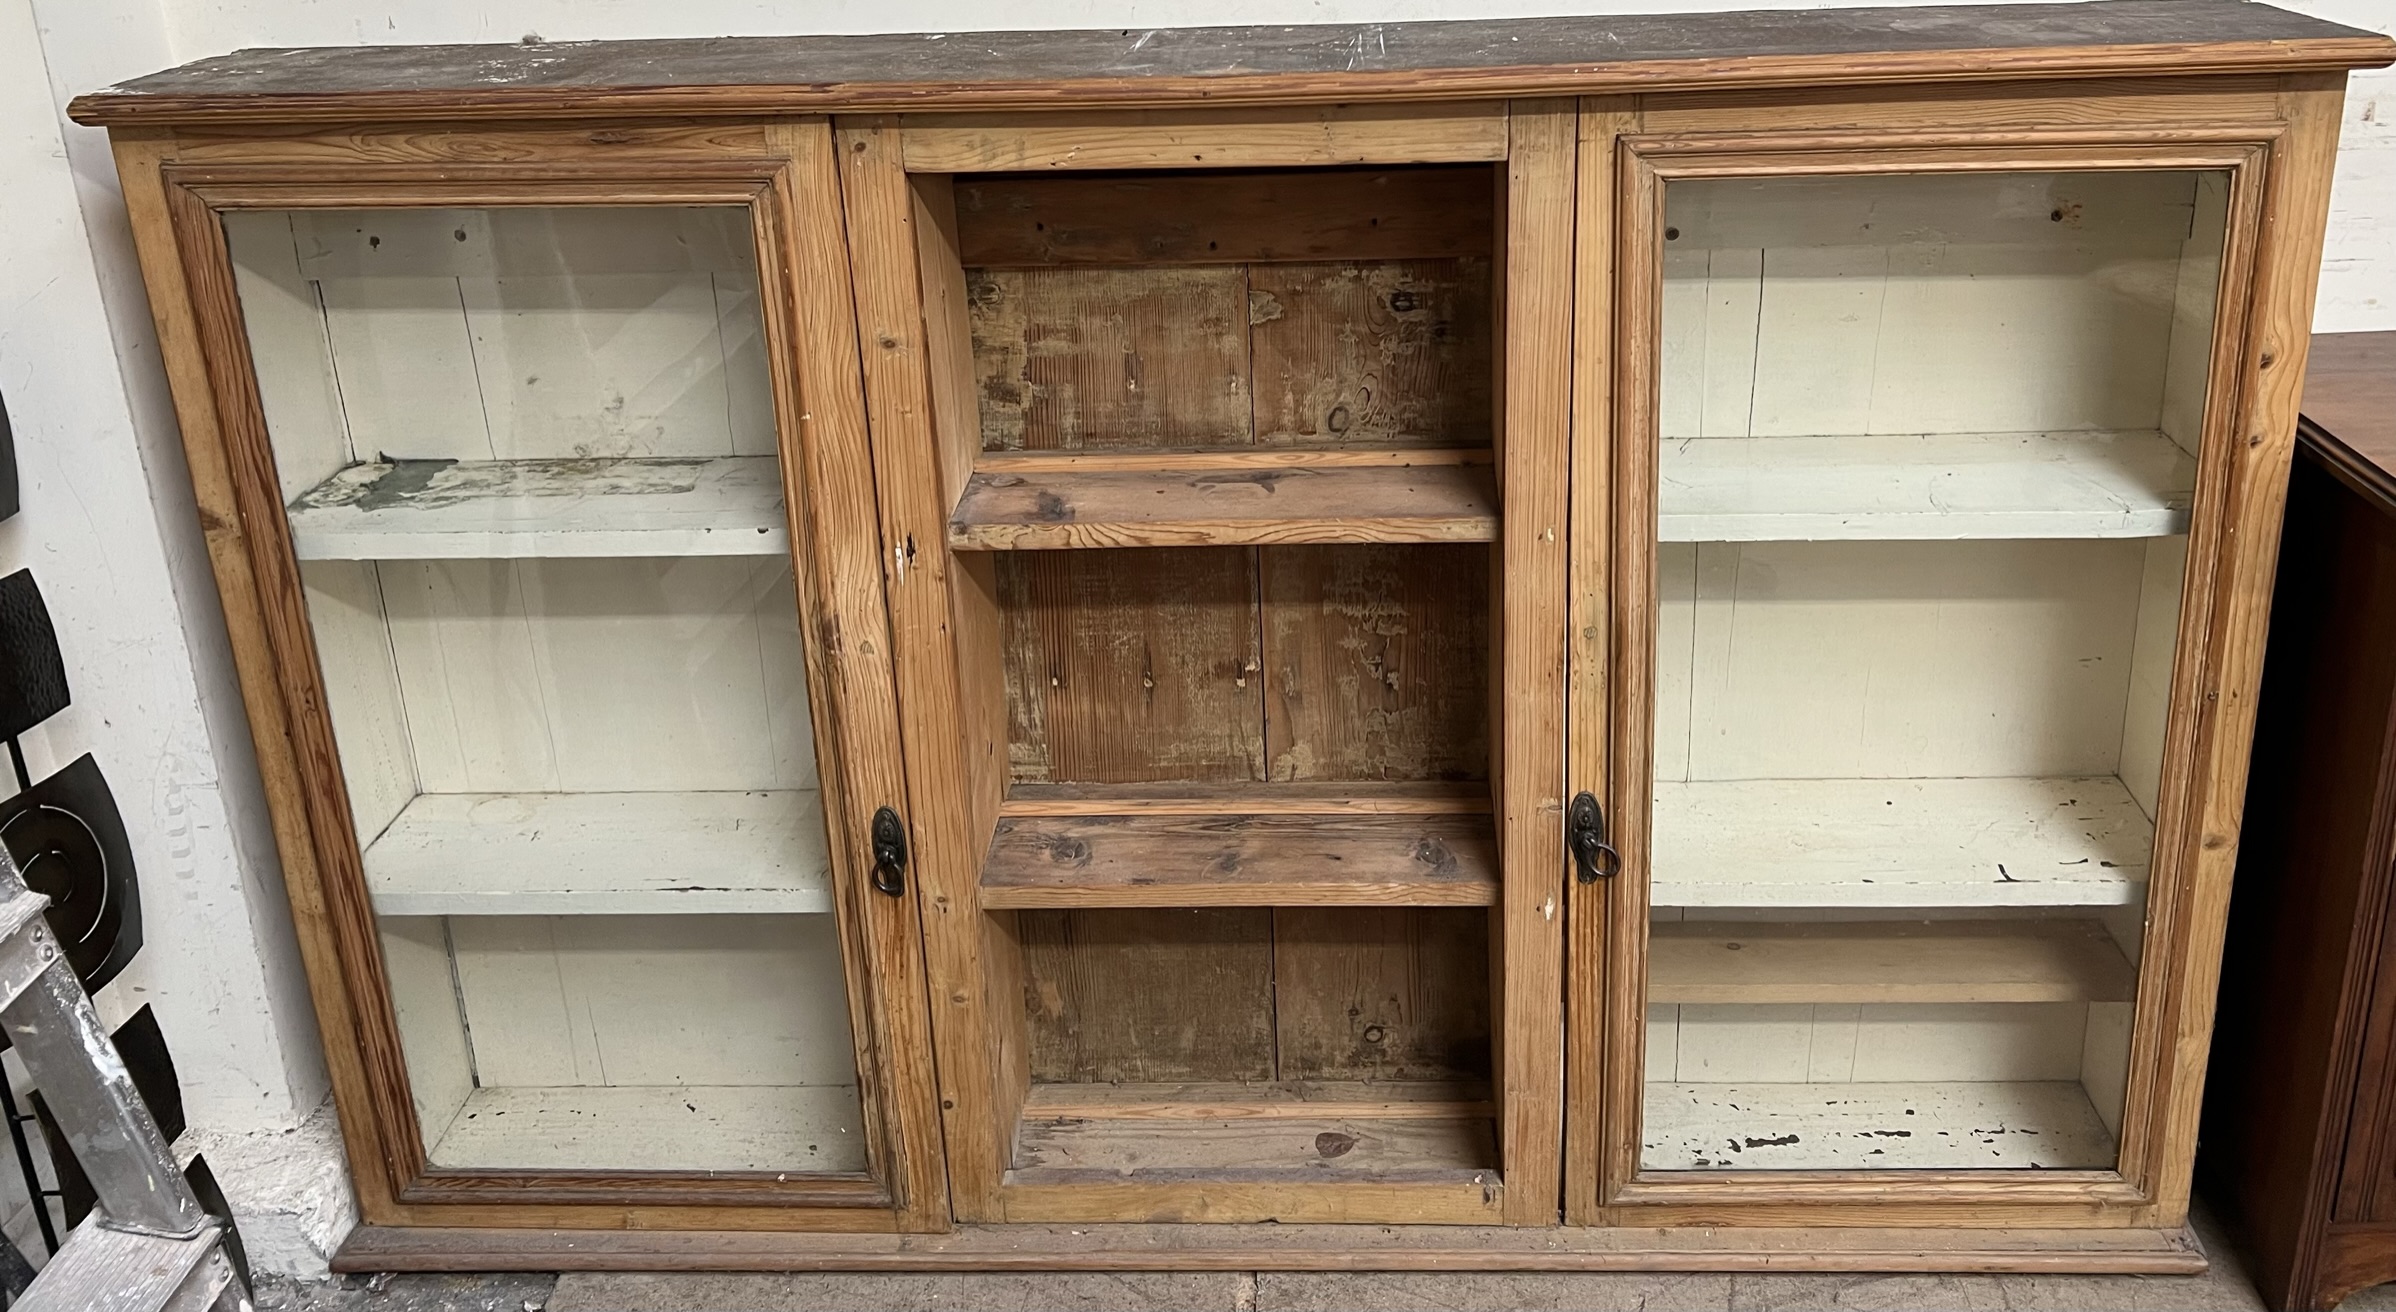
{"x":1279,"y":1248}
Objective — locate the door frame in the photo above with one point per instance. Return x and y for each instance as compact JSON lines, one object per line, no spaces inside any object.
{"x":176,"y":191}
{"x":896,"y":176}
{"x":2272,"y":135}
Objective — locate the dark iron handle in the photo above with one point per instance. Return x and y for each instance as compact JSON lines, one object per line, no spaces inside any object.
{"x":1593,"y":858}
{"x":890,"y":853}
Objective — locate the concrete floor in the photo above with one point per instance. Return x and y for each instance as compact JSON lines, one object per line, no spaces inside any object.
{"x":2224,"y":1288}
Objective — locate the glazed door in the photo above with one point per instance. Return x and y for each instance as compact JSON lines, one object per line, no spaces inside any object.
{"x":1910,"y":452}
{"x":607,"y":811}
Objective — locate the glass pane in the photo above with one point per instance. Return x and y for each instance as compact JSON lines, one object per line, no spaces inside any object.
{"x":1927,"y":449}
{"x":530,"y":462}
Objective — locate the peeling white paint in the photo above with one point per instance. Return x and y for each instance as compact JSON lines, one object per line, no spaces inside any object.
{"x":289,"y":1190}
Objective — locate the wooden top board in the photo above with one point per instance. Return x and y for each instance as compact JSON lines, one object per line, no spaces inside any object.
{"x":1232,"y":65}
{"x":2350,"y":410}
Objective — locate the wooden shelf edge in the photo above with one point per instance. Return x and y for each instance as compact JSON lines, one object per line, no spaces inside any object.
{"x":631,"y":506}
{"x":1304,"y":1151}
{"x":1171,"y":859}
{"x":565,"y":853}
{"x":1916,"y":487}
{"x":1282,"y":1100}
{"x":1034,"y":505}
{"x":1936,"y":842}
{"x":1470,"y":798}
{"x":1083,"y":1246}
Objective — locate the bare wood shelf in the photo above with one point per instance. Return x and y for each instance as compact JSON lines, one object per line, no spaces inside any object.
{"x":1248,"y":799}
{"x":1868,"y":962}
{"x":1235,"y":499}
{"x":1279,"y":1100}
{"x":1355,"y":1132}
{"x":1166,"y":858}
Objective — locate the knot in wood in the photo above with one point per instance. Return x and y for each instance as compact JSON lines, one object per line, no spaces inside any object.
{"x":1067,"y":850}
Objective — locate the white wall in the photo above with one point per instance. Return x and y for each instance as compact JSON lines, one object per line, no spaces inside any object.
{"x":110,"y":531}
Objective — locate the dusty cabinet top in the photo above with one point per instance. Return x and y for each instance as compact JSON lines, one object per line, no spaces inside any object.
{"x":1234,"y":65}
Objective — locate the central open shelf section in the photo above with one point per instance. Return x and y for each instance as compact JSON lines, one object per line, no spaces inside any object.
{"x":1219,"y":452}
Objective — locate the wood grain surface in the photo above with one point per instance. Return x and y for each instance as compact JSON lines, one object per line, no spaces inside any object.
{"x":1222,"y":65}
{"x":1236,"y":860}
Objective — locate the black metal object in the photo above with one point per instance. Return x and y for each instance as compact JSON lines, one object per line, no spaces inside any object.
{"x":1593,"y":857}
{"x":890,"y":853}
{"x":33,"y":678}
{"x":212,"y":1201}
{"x":69,"y":840}
{"x":8,"y":464}
{"x":67,"y":835}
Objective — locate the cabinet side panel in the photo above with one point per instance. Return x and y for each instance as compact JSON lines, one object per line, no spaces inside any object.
{"x":432,"y":1020}
{"x":285,"y":315}
{"x":2272,"y":1116}
{"x":362,"y":690}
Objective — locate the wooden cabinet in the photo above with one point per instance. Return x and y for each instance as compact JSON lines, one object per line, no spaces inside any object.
{"x":2299,"y":1132}
{"x":1555,"y":643}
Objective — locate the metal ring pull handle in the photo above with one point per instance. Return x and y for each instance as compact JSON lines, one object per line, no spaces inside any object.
{"x":1593,"y":858}
{"x":890,"y":853}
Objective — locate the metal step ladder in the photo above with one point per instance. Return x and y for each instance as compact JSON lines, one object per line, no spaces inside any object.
{"x":148,"y":1246}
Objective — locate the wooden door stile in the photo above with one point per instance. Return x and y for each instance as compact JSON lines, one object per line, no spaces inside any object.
{"x":1596,"y":621}
{"x":380,"y":1168}
{"x":2267,"y":365}
{"x":1528,"y":734}
{"x":828,"y":473}
{"x":887,"y":252}
{"x":1621,"y":514}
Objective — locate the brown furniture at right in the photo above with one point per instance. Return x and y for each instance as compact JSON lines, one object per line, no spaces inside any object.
{"x":2298,"y":1149}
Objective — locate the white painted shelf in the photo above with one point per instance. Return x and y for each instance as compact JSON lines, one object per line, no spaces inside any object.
{"x":1836,"y":1127}
{"x":548,"y":854}
{"x":2122,"y":484}
{"x":1899,"y":843}
{"x":678,"y":1128}
{"x":1764,"y":963}
{"x":518,"y":509}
